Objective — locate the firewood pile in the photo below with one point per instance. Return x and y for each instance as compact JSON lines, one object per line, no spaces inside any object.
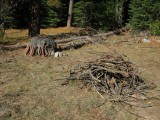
{"x":111,"y":73}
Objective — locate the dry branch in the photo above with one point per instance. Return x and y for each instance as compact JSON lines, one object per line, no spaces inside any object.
{"x":109,"y":73}
{"x":74,"y":40}
{"x":79,"y":41}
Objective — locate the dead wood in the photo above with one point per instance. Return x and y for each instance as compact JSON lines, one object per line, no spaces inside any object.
{"x":111,"y":73}
{"x":73,"y":40}
{"x":94,"y":37}
{"x":79,"y":41}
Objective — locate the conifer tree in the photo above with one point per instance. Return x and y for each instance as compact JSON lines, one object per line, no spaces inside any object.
{"x":143,"y":13}
{"x":101,"y":15}
{"x":34,"y":25}
{"x":49,"y":13}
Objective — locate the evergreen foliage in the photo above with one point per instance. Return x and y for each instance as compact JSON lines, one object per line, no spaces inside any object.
{"x":155,"y":28}
{"x":143,"y":13}
{"x":95,"y":15}
{"x":48,"y":16}
{"x":82,"y":17}
{"x":6,"y":13}
{"x":98,"y":14}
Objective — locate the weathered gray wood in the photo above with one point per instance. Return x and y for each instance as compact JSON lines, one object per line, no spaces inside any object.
{"x":76,"y":41}
{"x":89,"y":38}
{"x":73,"y":39}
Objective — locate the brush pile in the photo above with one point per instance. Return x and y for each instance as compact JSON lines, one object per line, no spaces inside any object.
{"x":111,"y":73}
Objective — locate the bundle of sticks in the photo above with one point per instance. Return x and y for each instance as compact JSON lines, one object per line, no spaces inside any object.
{"x":110,"y":73}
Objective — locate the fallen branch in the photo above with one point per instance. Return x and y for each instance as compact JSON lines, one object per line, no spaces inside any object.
{"x":73,"y":40}
{"x":110,"y":73}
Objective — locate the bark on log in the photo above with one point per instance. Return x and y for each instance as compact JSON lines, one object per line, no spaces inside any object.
{"x":73,"y":39}
{"x":89,"y":38}
{"x":75,"y":42}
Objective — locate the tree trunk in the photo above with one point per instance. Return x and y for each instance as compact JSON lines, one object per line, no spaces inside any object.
{"x":34,"y":24}
{"x":2,"y":29}
{"x":119,"y":12}
{"x":69,"y":21}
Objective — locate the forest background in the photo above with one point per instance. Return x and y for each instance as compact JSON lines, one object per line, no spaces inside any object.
{"x":101,"y":15}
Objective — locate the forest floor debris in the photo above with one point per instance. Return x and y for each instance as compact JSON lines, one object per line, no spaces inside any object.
{"x":111,"y":73}
{"x":30,"y":87}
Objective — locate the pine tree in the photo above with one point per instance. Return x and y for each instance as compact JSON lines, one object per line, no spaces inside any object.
{"x":143,"y":13}
{"x":6,"y":13}
{"x":34,"y":24}
{"x":82,"y":15}
{"x":101,"y":15}
{"x":49,"y":13}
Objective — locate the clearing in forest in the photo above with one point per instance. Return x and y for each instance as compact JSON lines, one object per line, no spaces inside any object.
{"x":30,"y":87}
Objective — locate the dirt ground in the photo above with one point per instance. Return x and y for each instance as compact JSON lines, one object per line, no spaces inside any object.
{"x":30,"y":87}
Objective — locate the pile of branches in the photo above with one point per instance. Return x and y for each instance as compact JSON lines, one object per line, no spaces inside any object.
{"x":111,"y":73}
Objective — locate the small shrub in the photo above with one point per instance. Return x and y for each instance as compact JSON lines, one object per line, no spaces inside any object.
{"x":155,"y":28}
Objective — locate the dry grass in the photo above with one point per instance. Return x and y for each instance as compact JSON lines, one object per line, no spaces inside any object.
{"x":30,"y":87}
{"x":16,"y":33}
{"x":14,"y":36}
